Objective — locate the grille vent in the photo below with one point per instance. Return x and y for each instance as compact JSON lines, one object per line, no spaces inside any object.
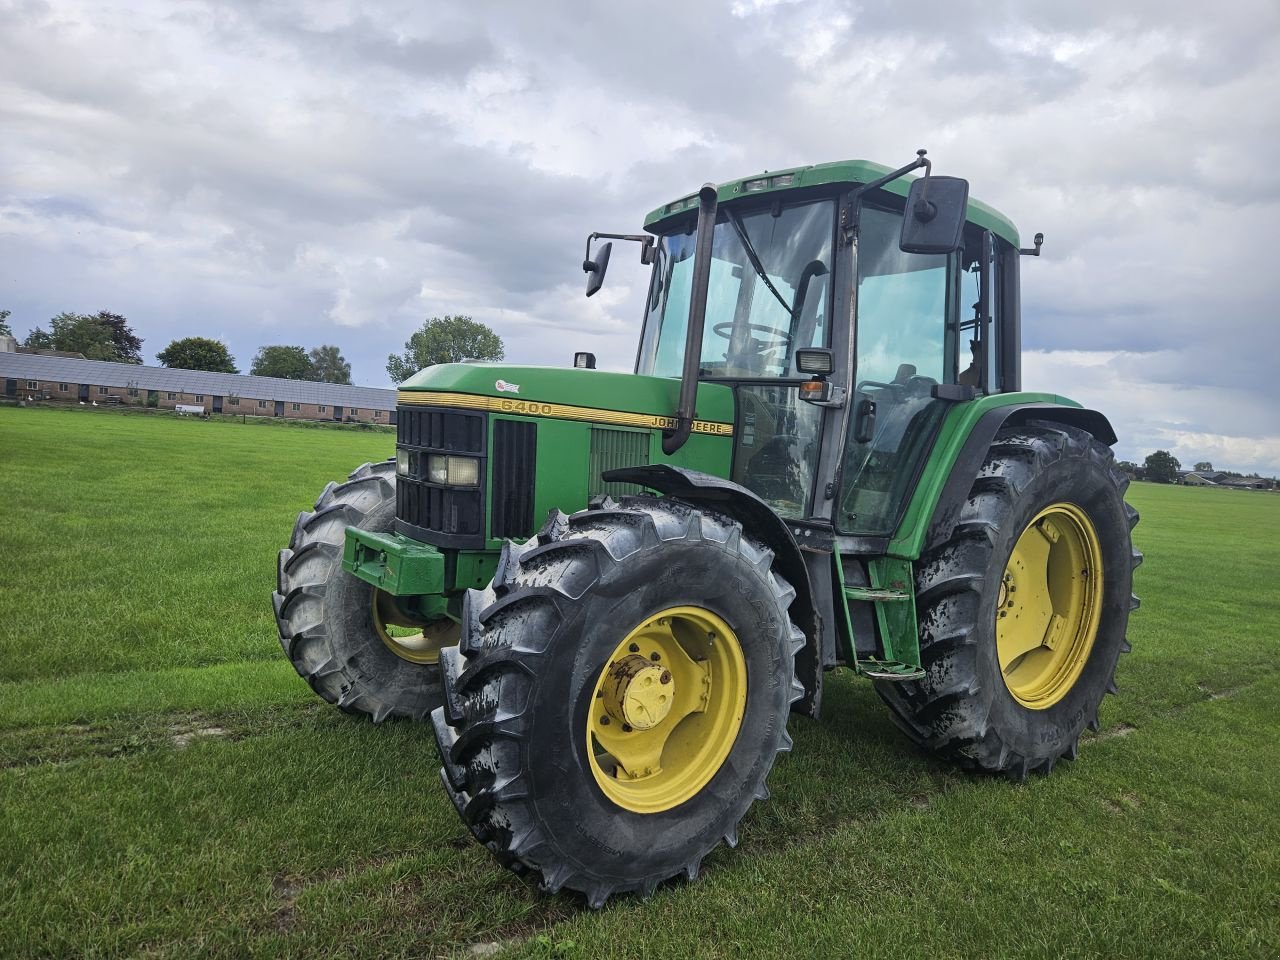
{"x":514,"y":453}
{"x":612,"y":449}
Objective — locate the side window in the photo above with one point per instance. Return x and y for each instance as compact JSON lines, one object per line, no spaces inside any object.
{"x":777,"y":446}
{"x":906,"y":345}
{"x":902,"y":299}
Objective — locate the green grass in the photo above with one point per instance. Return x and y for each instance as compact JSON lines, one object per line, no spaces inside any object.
{"x":169,"y":788}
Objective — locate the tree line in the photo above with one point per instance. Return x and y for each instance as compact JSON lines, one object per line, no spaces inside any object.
{"x":1163,"y":467}
{"x":108,"y":336}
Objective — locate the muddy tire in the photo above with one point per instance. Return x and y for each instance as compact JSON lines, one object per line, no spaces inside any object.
{"x":1012,"y":680}
{"x":325,"y":615}
{"x":542,"y":652}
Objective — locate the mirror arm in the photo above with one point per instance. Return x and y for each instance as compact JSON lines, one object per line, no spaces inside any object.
{"x":646,"y":241}
{"x":1038,"y":240}
{"x":915,"y":164}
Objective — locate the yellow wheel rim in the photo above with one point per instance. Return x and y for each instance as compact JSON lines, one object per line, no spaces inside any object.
{"x":1049,"y":604}
{"x":666,"y":709}
{"x":408,"y":637}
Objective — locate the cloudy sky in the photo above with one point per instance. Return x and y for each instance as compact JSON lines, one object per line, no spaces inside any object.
{"x":334,"y":172}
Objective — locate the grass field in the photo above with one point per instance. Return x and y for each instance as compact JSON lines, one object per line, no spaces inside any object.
{"x":170,"y":788}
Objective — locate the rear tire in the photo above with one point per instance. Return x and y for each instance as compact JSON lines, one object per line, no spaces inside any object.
{"x":325,"y":615}
{"x":969,"y":707}
{"x":529,"y":678}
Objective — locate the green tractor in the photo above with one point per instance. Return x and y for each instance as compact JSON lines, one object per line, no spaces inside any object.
{"x":609,"y":591}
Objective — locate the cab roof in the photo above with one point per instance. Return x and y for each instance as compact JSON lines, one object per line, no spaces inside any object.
{"x":842,"y":171}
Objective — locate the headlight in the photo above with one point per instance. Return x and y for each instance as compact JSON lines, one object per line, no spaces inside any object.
{"x":402,"y":463}
{"x":454,"y":471}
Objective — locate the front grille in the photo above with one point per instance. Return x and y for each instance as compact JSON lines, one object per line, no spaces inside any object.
{"x":445,"y":516}
{"x":515,"y":445}
{"x":437,"y":429}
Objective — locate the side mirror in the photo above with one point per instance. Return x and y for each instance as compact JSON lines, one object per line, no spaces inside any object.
{"x":935,"y":214}
{"x":595,"y":268}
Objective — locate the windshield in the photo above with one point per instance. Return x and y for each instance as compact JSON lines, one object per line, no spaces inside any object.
{"x":769,"y":293}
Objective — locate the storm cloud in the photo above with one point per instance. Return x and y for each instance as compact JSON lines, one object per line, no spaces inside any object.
{"x":336,"y":172}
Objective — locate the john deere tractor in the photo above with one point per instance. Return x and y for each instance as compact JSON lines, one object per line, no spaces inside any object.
{"x":608,"y":591}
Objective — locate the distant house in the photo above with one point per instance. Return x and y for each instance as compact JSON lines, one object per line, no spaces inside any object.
{"x":24,"y":375}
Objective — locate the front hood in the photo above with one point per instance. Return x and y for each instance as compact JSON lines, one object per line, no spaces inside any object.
{"x":558,"y":391}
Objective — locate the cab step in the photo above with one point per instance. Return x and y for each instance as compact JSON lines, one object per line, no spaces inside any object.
{"x":876,"y":594}
{"x":889,"y":670}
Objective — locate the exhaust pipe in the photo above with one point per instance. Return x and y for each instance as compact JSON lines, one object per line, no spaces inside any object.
{"x":700,"y":281}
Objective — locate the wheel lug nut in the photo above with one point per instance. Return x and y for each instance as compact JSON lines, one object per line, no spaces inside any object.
{"x":655,"y":655}
{"x":666,"y":676}
{"x":634,"y":648}
{"x":626,"y":728}
{"x":604,"y":721}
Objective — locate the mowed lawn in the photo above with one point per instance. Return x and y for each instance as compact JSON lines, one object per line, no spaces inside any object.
{"x":170,"y":788}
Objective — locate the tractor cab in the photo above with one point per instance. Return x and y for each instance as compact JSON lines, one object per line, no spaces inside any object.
{"x":808,"y":280}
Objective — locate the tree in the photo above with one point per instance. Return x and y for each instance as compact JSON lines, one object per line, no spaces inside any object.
{"x":447,"y":339}
{"x":1204,"y":465}
{"x":1162,"y":467}
{"x":1128,"y":468}
{"x":198,"y":353}
{"x":329,"y":365}
{"x":4,"y":324}
{"x":77,"y":333}
{"x":38,"y":339}
{"x":128,"y":344}
{"x":286,"y":362}
{"x":100,"y":336}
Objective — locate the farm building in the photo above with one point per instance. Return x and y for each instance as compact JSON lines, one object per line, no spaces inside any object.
{"x":40,"y":377}
{"x":1217,"y":478}
{"x":1203,"y":478}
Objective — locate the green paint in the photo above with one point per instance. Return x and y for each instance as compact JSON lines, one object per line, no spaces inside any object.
{"x":893,"y":595}
{"x":392,"y":563}
{"x":842,"y":172}
{"x":611,"y":448}
{"x":959,"y":423}
{"x":472,"y":569}
{"x":569,"y":455}
{"x":600,"y":389}
{"x":896,"y":618}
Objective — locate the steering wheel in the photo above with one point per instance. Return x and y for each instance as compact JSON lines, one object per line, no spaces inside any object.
{"x":778,"y":338}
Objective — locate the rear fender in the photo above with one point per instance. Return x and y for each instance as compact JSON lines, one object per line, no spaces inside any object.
{"x":960,"y":481}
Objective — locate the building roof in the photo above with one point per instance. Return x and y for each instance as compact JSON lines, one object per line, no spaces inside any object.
{"x":26,"y":366}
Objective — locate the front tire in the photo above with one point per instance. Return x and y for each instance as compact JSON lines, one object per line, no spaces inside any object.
{"x":560,"y":749}
{"x":339,"y":632}
{"x":1023,"y":611}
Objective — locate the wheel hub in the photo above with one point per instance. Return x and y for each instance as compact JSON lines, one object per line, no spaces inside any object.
{"x":666,"y":709}
{"x":1048,"y":606}
{"x":638,"y":692}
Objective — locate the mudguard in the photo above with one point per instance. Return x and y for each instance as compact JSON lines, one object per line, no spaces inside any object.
{"x":956,"y":490}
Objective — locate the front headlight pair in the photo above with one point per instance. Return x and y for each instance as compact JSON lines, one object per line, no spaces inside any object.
{"x":440,"y":468}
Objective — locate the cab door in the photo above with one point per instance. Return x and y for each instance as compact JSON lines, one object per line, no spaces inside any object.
{"x":905,"y":348}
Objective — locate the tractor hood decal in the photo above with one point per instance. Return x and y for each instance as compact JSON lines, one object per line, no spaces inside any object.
{"x":557,"y":411}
